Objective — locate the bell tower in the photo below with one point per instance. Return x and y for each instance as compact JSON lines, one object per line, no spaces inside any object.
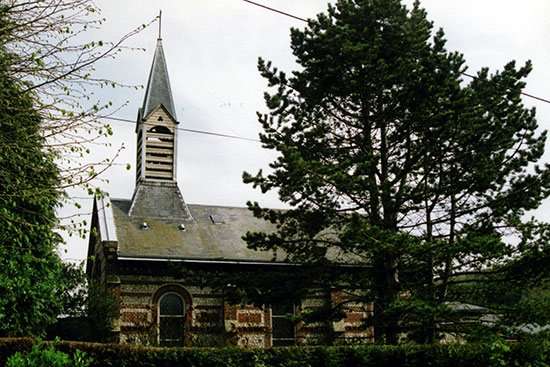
{"x":157,"y":193}
{"x":156,"y":124}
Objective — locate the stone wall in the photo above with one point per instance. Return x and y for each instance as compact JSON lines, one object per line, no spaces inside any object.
{"x":352,"y":329}
{"x":212,"y":322}
{"x":138,"y":312}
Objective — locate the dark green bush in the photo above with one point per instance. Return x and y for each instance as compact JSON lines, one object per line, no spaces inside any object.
{"x":45,"y":355}
{"x":531,"y":353}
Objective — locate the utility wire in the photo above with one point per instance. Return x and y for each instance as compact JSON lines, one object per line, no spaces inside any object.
{"x":524,"y":93}
{"x":188,"y":130}
{"x":275,"y":10}
{"x":305,"y":20}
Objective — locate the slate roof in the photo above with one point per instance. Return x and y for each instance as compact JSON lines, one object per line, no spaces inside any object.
{"x":202,"y":239}
{"x":211,"y":233}
{"x":158,"y":90}
{"x":159,"y":200}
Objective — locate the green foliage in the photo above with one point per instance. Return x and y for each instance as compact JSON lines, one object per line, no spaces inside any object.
{"x":31,"y":280}
{"x":534,"y":351}
{"x":101,"y":309}
{"x":45,"y":355}
{"x":391,"y":161}
{"x":88,"y":313}
{"x":74,"y":293}
{"x":35,"y":285}
{"x":531,"y":353}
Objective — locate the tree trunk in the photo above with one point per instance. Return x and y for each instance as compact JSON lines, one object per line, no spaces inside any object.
{"x":428,"y":324}
{"x":386,"y":326}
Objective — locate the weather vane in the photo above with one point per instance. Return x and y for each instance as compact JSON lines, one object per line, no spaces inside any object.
{"x":160,"y":24}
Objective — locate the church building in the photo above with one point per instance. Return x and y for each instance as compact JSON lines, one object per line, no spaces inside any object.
{"x":135,"y":245}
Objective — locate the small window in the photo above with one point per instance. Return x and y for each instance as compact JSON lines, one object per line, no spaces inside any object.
{"x":217,"y":219}
{"x":171,"y":320}
{"x":282,"y":325}
{"x":160,"y":130}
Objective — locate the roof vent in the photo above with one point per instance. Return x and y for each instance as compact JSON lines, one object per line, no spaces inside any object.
{"x":181,"y":227}
{"x":216,"y":219}
{"x":144,"y":226}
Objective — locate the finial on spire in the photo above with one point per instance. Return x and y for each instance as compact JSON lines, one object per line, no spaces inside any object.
{"x":160,"y":24}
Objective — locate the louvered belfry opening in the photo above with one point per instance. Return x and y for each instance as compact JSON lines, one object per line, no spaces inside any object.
{"x":159,"y":153}
{"x":139,"y":152}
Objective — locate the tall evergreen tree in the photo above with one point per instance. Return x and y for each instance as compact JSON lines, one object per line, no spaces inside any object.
{"x":32,"y":285}
{"x":392,"y":161}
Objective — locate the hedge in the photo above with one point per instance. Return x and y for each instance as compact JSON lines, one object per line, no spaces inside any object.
{"x":535,"y":353}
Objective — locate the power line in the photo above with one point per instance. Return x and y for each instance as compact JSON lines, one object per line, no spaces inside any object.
{"x":305,"y":20}
{"x":275,"y":10}
{"x":189,"y":130}
{"x":524,"y":93}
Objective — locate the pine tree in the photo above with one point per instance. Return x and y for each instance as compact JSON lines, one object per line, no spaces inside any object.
{"x":392,"y":160}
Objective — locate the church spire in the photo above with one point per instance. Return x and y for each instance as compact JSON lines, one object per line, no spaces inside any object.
{"x":156,"y":194}
{"x":158,"y":90}
{"x":157,"y":125}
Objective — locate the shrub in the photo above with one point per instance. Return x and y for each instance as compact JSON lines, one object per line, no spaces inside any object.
{"x":45,"y":355}
{"x":531,"y":353}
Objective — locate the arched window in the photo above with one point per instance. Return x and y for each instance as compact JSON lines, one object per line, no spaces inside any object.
{"x":171,"y":314}
{"x":161,"y":130}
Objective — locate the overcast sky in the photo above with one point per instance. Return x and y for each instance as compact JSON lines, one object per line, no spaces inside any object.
{"x":212,"y":48}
